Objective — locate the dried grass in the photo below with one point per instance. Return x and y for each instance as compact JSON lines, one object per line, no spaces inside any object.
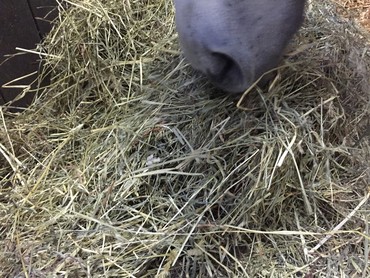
{"x":359,"y":10}
{"x":131,"y":165}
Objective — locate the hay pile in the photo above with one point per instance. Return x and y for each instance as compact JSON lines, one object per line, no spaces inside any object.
{"x":131,"y":165}
{"x":359,"y":10}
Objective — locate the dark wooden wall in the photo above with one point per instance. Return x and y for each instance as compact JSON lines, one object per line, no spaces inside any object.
{"x":23,"y":23}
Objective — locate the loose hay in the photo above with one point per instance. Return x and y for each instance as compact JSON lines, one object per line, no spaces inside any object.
{"x":128,"y":166}
{"x":359,"y":10}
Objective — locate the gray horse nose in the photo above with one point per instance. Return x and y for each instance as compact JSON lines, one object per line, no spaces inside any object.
{"x":226,"y":72}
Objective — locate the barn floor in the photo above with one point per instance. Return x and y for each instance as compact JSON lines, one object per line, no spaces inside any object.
{"x":130,"y":164}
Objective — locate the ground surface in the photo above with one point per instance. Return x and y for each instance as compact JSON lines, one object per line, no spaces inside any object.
{"x":130,"y":164}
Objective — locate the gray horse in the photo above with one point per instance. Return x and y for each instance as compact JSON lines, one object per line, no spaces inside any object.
{"x":234,"y":42}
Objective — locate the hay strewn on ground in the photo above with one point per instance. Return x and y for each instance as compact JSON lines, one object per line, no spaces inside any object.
{"x":357,"y":9}
{"x":132,"y":165}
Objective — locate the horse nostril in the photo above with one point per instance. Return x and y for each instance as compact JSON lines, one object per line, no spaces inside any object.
{"x":222,"y":63}
{"x":224,"y":71}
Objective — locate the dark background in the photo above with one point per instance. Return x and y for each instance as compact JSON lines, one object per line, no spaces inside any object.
{"x":23,"y":23}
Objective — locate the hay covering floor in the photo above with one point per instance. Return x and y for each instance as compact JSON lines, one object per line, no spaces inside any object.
{"x":357,"y":9}
{"x":131,"y":165}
